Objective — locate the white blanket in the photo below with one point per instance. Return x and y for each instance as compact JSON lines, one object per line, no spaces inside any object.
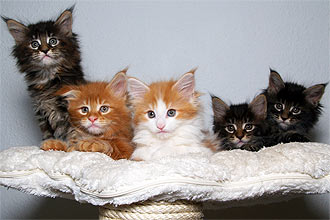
{"x":228,"y":177}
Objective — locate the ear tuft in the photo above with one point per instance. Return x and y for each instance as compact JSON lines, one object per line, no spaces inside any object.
{"x":219,"y":108}
{"x":136,"y":88}
{"x":259,"y":106}
{"x":64,"y":22}
{"x":314,"y":94}
{"x":186,"y":85}
{"x":275,"y":82}
{"x":16,"y":29}
{"x":118,"y":84}
{"x":68,"y":92}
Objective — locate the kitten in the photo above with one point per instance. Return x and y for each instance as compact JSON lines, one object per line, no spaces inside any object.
{"x":167,"y":119}
{"x":99,"y":114}
{"x":241,"y":126}
{"x":292,"y":109}
{"x":48,"y":54}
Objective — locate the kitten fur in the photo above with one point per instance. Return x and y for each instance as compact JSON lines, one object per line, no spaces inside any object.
{"x":99,"y":114}
{"x":167,"y":119}
{"x":292,"y":108}
{"x":241,"y":126}
{"x":48,"y":54}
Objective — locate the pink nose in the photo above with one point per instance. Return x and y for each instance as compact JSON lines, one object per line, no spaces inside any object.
{"x":92,"y":118}
{"x":160,"y":126}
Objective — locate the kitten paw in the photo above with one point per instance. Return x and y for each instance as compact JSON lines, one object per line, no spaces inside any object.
{"x":52,"y":144}
{"x":94,"y":145}
{"x":295,"y":137}
{"x":251,"y":147}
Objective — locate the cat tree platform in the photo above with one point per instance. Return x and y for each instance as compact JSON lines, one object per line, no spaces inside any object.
{"x":172,"y":187}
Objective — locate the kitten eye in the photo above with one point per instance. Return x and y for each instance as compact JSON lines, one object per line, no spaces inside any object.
{"x":171,"y":112}
{"x":104,"y":109}
{"x":249,"y":127}
{"x":35,"y":44}
{"x":84,"y":110}
{"x":230,"y":128}
{"x":151,"y":114}
{"x":53,"y":42}
{"x":279,"y":106}
{"x":295,"y":110}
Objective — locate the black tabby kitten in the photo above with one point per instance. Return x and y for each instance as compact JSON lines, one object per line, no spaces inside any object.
{"x":241,"y":126}
{"x":292,"y":109}
{"x":48,"y":54}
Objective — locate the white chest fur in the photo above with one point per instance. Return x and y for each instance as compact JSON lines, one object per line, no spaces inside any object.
{"x":187,"y":138}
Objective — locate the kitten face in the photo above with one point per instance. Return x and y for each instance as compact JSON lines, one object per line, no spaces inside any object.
{"x":286,"y":113}
{"x":238,"y":124}
{"x":44,"y":48}
{"x":46,"y":44}
{"x":239,"y":132}
{"x":93,"y":114}
{"x":97,"y":107}
{"x":291,"y":105}
{"x":163,"y":107}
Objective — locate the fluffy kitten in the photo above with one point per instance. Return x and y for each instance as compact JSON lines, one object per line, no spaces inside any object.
{"x":292,"y":109}
{"x":48,"y":54}
{"x":241,"y":126}
{"x":167,"y":119}
{"x":100,"y":116}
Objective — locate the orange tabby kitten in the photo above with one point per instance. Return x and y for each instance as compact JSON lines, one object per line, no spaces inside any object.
{"x":99,"y":113}
{"x":168,"y":119}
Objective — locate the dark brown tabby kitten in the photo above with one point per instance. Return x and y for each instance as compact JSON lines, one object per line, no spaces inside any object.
{"x":48,"y":54}
{"x":241,"y":126}
{"x":292,"y":109}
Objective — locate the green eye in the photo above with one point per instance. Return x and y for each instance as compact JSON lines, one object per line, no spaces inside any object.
{"x":35,"y":44}
{"x":171,"y":112}
{"x":53,"y":42}
{"x":151,"y":114}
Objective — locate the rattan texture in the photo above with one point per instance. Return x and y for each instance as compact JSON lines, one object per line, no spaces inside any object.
{"x":183,"y":210}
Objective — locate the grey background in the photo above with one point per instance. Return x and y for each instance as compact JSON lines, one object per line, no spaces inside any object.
{"x":233,"y":44}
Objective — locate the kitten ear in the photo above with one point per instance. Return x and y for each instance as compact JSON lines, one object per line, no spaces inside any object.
{"x":219,"y":108}
{"x":186,"y":84}
{"x":136,"y":88}
{"x":259,"y":106}
{"x":64,"y":22}
{"x":16,"y":29}
{"x":118,"y":84}
{"x":275,"y":82}
{"x":68,"y":92}
{"x":314,"y":93}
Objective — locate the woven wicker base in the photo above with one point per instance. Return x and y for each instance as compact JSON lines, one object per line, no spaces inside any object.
{"x":181,"y":210}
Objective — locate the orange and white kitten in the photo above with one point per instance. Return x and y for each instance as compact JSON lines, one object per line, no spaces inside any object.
{"x":99,"y":113}
{"x":167,"y":119}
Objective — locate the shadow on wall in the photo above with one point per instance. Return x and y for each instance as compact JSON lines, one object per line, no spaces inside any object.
{"x":63,"y":209}
{"x":292,"y":209}
{"x":66,"y":209}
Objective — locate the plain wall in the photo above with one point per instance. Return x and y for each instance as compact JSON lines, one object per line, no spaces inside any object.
{"x":233,"y":44}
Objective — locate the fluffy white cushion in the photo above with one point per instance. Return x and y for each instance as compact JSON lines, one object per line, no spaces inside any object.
{"x":229,"y":177}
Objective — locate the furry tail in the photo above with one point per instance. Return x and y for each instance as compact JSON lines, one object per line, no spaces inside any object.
{"x":211,"y":141}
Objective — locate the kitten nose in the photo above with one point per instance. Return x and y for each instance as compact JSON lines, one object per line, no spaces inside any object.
{"x":92,"y":118}
{"x":160,"y":126}
{"x":45,"y":50}
{"x":285,"y":115}
{"x":240,"y":136}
